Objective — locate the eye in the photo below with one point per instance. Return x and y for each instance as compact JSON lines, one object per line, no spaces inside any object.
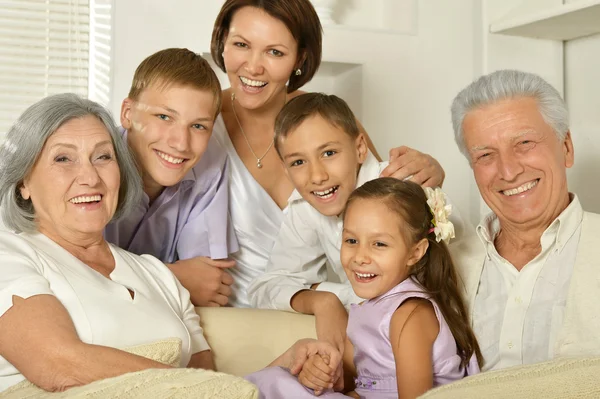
{"x":351,"y":241}
{"x":105,"y":157}
{"x":240,"y":44}
{"x":380,"y":244}
{"x":61,"y":158}
{"x":297,"y":162}
{"x":329,"y":153}
{"x":198,"y":126}
{"x":276,"y":53}
{"x":163,"y":117}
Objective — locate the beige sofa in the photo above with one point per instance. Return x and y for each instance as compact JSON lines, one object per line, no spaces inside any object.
{"x":246,"y":340}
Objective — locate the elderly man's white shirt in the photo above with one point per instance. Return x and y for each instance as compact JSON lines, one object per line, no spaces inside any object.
{"x":102,"y":310}
{"x":517,"y":315}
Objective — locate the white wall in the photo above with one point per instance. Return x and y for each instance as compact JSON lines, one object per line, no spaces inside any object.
{"x":404,"y":83}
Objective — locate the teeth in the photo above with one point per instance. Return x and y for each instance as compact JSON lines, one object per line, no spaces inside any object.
{"x":519,"y":190}
{"x":91,"y":198}
{"x":327,"y":193}
{"x":169,"y":158}
{"x":253,"y":83}
{"x":365,"y":275}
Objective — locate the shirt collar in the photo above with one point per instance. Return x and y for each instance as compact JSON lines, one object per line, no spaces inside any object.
{"x":367,"y":170}
{"x":559,"y":231}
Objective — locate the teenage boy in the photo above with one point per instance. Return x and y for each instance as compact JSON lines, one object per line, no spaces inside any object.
{"x":168,"y":119}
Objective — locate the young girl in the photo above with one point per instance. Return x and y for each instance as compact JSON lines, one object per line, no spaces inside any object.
{"x":412,"y":333}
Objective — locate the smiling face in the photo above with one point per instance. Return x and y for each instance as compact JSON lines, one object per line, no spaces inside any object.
{"x":323,"y":162}
{"x":168,"y":130}
{"x":74,"y":184}
{"x":518,"y":161}
{"x":375,"y":254}
{"x":260,"y":54}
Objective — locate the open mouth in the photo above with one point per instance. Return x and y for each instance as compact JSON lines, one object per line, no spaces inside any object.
{"x":327,"y":193}
{"x":521,"y":189}
{"x":257,"y":84}
{"x":86,"y":199}
{"x":365,"y":277}
{"x":170,"y":159}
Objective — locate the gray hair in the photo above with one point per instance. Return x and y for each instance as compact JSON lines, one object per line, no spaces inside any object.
{"x":24,"y":143}
{"x":506,"y":84}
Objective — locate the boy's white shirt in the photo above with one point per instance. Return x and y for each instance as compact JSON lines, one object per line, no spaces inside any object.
{"x":306,"y":241}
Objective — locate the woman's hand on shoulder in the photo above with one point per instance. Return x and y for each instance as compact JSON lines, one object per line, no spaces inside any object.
{"x":409,"y":164}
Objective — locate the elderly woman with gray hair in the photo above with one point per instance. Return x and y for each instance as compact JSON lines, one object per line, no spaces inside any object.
{"x":68,"y":299}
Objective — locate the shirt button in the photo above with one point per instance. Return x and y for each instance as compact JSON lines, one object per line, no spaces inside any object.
{"x":510,"y":345}
{"x":518,"y":300}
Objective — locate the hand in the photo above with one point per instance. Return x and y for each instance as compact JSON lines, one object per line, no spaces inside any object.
{"x":305,"y":348}
{"x":206,"y":279}
{"x":409,"y":164}
{"x":317,"y":374}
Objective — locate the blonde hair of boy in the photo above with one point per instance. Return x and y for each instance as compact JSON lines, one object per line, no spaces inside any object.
{"x":176,"y":66}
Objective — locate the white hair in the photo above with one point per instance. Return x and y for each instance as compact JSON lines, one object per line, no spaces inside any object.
{"x":506,"y":84}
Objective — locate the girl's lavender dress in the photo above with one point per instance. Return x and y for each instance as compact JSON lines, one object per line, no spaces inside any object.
{"x":369,"y":331}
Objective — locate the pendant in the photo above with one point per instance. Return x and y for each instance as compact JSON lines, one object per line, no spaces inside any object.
{"x":258,"y":164}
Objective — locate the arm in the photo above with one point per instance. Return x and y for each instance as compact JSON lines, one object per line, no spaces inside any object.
{"x":40,"y":328}
{"x":414,"y":328}
{"x":202,"y":360}
{"x":331,"y":318}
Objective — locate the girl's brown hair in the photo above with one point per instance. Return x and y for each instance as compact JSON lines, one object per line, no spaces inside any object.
{"x":435,"y":271}
{"x":299,"y":16}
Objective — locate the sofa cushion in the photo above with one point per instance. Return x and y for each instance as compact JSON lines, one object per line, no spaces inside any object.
{"x":246,"y":340}
{"x":560,"y":378}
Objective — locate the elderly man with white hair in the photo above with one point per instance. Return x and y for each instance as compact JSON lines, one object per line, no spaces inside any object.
{"x":532,"y":276}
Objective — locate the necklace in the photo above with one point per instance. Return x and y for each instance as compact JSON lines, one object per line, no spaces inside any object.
{"x":258,"y":159}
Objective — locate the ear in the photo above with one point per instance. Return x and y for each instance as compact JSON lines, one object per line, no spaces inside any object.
{"x":301,"y":61}
{"x":126,"y":107}
{"x":568,"y":150}
{"x":24,"y":190}
{"x":361,"y":148}
{"x":418,"y":250}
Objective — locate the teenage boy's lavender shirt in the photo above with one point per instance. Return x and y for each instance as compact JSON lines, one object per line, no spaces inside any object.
{"x":186,"y":220}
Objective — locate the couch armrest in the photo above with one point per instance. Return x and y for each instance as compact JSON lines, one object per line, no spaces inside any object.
{"x":246,"y":340}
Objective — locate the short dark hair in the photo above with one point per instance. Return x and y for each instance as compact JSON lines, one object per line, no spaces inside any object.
{"x":299,"y":16}
{"x":331,"y":108}
{"x":178,"y":66}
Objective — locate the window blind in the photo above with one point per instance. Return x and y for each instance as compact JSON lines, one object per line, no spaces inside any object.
{"x":44,"y":50}
{"x":100,"y":75}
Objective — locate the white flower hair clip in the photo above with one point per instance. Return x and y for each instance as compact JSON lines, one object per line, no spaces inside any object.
{"x":442,"y":227}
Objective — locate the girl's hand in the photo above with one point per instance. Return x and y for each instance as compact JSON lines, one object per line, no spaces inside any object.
{"x":318,"y":374}
{"x":353,"y":394}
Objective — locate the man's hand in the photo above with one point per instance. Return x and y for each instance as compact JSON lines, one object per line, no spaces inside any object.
{"x":206,"y":279}
{"x":409,"y":164}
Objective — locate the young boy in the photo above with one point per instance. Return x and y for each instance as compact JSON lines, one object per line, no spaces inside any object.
{"x":168,"y":119}
{"x":326,"y":158}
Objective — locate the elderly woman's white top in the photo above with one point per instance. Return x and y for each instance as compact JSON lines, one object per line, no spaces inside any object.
{"x":102,"y":310}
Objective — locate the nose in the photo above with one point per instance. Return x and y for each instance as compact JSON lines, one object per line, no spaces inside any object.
{"x":361,"y":256}
{"x":88,"y":175}
{"x":254,"y":63}
{"x":509,"y":166}
{"x":318,"y":173}
{"x":179,"y":138}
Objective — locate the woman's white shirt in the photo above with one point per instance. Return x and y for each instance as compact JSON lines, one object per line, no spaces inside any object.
{"x":102,"y":309}
{"x":256,"y":220}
